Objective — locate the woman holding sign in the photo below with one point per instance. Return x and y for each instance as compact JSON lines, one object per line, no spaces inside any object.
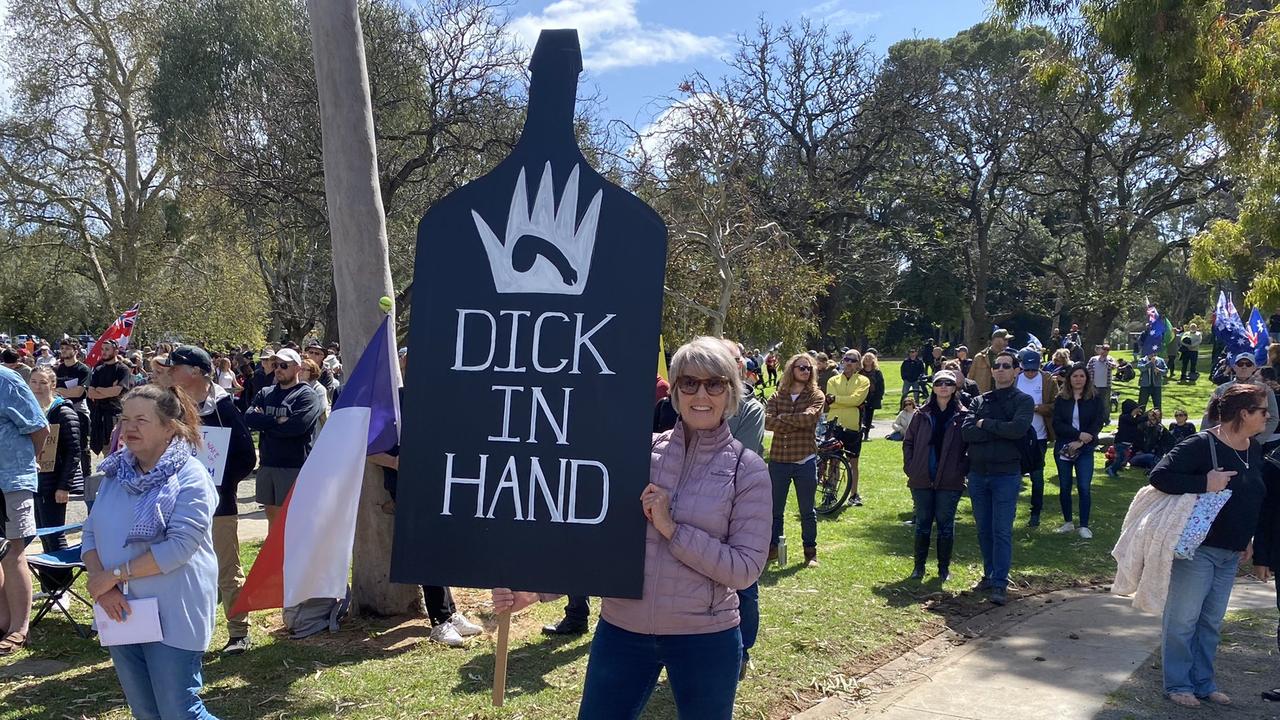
{"x":149,"y":552}
{"x":709,"y":510}
{"x":56,"y":480}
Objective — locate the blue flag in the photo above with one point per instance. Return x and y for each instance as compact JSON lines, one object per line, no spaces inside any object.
{"x":1258,"y":335}
{"x":1154,"y":336}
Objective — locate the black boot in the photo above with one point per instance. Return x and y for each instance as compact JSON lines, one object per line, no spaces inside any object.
{"x":945,"y":545}
{"x":922,"y":556}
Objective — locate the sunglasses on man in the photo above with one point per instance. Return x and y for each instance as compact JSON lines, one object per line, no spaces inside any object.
{"x":1244,"y":364}
{"x":1001,"y":366}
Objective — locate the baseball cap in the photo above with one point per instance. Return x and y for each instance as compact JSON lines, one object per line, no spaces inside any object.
{"x":288,"y":355}
{"x":189,"y":355}
{"x":1029,"y":359}
{"x":1000,"y":333}
{"x":404,"y":351}
{"x":265,"y":354}
{"x":752,"y":366}
{"x":1244,"y":356}
{"x":944,"y":375}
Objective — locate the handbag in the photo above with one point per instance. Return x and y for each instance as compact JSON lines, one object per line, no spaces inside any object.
{"x":1208,"y":505}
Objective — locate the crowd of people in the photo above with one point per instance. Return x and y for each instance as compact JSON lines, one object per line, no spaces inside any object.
{"x":968,"y":425}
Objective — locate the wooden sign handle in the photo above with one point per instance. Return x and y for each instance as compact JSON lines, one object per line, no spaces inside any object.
{"x":500,"y":659}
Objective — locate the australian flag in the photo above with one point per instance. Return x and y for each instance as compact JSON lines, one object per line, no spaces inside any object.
{"x":1229,"y":329}
{"x":1158,"y":332}
{"x":1257,"y":333}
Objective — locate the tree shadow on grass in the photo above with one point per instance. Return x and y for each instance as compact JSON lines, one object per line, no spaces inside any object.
{"x":527,"y":666}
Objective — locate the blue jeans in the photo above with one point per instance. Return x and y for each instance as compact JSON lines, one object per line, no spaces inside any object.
{"x":1144,"y":460}
{"x":1082,"y":469}
{"x":160,"y":682}
{"x":749,"y":612}
{"x":1122,"y":453}
{"x":623,"y":668}
{"x":935,"y":506}
{"x":1198,"y":593}
{"x":805,"y":475}
{"x":995,"y":503}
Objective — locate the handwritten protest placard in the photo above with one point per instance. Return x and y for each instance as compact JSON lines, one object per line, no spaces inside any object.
{"x":213,"y":452}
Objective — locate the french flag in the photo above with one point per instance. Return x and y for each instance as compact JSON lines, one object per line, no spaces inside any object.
{"x":308,"y":552}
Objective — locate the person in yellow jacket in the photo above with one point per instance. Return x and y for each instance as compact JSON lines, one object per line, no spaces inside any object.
{"x":846,"y":392}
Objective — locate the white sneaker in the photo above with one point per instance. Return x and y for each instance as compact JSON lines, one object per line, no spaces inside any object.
{"x":446,"y":634}
{"x":1066,"y":527}
{"x":1084,"y":533}
{"x":465,"y":627}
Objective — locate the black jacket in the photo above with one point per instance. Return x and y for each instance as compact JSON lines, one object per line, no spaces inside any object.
{"x":875,"y":397}
{"x":1006,"y":417}
{"x":1184,"y":469}
{"x":241,"y":455}
{"x":1129,"y":428}
{"x":912,"y":370}
{"x":1090,"y":421}
{"x":285,"y":444}
{"x":66,"y":469}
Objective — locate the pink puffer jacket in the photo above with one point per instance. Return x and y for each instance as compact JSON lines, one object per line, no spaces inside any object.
{"x":722,"y":503}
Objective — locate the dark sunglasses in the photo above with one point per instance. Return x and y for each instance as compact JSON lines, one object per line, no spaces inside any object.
{"x":690,"y":385}
{"x":848,"y":359}
{"x":944,"y":383}
{"x":803,"y":368}
{"x":1244,"y":363}
{"x":1001,"y":366}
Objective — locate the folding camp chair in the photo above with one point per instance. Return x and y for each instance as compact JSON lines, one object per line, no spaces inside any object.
{"x":58,"y":571}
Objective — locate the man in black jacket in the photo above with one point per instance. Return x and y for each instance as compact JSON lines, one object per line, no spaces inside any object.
{"x":912,"y":370}
{"x":994,"y":431}
{"x":286,"y":414}
{"x":190,"y":367}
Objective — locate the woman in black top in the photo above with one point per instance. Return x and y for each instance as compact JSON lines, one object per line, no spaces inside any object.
{"x":1180,"y":429}
{"x":1077,"y":420}
{"x":1199,"y":588}
{"x":875,"y":397}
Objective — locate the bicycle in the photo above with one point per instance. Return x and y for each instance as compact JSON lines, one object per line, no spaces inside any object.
{"x":835,"y":474}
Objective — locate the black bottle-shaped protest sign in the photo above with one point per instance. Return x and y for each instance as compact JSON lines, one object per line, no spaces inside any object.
{"x":530,"y":383}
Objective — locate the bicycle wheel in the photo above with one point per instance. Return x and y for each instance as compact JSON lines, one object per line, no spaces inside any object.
{"x":834,"y":476}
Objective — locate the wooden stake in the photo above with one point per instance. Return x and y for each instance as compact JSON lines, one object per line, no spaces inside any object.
{"x":500,"y":659}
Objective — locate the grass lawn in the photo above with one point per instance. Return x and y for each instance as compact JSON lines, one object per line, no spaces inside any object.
{"x":820,"y":628}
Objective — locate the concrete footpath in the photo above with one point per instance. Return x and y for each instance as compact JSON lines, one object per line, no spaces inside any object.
{"x":1058,"y":655}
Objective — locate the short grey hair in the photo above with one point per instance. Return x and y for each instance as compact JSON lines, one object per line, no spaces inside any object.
{"x":707,"y":356}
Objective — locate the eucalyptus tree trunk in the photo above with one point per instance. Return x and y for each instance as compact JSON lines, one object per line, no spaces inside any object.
{"x":361,"y":269}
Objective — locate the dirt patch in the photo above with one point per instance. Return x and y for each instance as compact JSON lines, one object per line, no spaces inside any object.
{"x":1246,"y":665}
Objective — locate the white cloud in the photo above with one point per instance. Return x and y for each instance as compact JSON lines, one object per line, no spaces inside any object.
{"x":613,"y":36}
{"x":834,"y":13}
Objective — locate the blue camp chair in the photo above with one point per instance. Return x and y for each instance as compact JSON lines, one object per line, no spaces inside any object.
{"x":57,"y":572}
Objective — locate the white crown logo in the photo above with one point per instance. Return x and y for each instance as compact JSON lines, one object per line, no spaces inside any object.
{"x":542,"y":251}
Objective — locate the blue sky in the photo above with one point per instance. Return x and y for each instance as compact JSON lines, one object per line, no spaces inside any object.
{"x":637,"y":51}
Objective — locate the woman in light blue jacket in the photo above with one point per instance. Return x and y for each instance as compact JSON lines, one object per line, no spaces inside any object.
{"x":149,"y":536}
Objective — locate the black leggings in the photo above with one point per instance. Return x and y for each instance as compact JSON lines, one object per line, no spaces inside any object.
{"x":439,"y":600}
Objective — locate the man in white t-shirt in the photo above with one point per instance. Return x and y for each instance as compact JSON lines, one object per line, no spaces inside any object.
{"x":1041,"y":387}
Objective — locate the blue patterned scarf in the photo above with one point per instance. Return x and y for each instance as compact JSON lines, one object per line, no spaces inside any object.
{"x":157,"y":490}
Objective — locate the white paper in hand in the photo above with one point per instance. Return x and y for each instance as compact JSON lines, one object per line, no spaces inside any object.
{"x":142,"y":625}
